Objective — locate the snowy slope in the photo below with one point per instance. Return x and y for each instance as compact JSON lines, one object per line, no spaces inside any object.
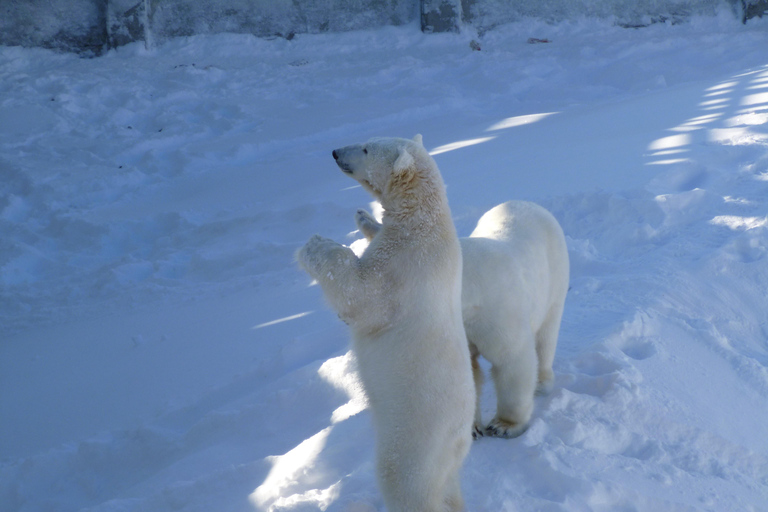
{"x":159,"y":349}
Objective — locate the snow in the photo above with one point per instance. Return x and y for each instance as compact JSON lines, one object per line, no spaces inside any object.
{"x":160,"y":350}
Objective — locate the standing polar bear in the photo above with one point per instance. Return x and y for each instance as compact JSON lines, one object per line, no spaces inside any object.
{"x":515,"y":279}
{"x":402,"y":301}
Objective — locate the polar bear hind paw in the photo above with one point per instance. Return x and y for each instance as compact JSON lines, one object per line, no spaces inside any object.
{"x":545,"y":388}
{"x":546,"y":383}
{"x":506,"y":429}
{"x":477,"y":431}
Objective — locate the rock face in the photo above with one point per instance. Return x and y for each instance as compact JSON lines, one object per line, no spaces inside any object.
{"x":264,"y":18}
{"x":486,"y":14}
{"x":69,"y":25}
{"x":442,"y":15}
{"x":91,"y":26}
{"x":753,"y":9}
{"x":126,"y":22}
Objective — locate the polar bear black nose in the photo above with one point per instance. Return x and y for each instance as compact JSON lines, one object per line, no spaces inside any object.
{"x":335,"y":155}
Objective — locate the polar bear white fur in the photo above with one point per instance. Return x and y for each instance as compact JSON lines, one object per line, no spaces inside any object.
{"x":402,"y":301}
{"x":515,"y":279}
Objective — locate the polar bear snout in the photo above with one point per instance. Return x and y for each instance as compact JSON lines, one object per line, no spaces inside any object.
{"x":349,"y":158}
{"x":343,"y":165}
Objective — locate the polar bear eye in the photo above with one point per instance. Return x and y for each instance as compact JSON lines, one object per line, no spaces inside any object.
{"x":365,"y":150}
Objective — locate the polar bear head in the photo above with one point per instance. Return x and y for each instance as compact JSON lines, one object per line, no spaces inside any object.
{"x":398,"y":172}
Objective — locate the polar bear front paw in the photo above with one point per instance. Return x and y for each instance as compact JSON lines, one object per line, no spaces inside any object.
{"x":314,"y":253}
{"x":477,"y":431}
{"x":362,"y":216}
{"x":506,"y":429}
{"x":367,"y":224}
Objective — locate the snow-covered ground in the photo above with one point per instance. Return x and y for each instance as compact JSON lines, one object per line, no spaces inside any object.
{"x":160,"y":350}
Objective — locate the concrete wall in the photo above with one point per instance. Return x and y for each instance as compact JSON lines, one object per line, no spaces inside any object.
{"x":70,"y":25}
{"x":91,"y":26}
{"x":485,"y":14}
{"x":753,"y":9}
{"x":170,"y":18}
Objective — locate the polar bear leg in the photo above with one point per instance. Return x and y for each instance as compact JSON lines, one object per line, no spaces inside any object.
{"x":367,"y":224}
{"x":453,"y":500}
{"x":421,"y":478}
{"x":546,"y":343}
{"x":406,"y":491}
{"x":479,"y":378}
{"x":514,"y":377}
{"x":451,"y":460}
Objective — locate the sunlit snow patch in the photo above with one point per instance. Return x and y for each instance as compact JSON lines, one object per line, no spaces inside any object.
{"x":671,"y":144}
{"x":755,"y":99}
{"x":511,"y":122}
{"x":740,"y":136}
{"x":736,"y":222}
{"x":725,"y":85}
{"x":275,"y":493}
{"x":341,"y":373}
{"x":458,"y":145}
{"x":672,"y":141}
{"x":747,"y":119}
{"x":716,"y":103}
{"x":281,"y":320}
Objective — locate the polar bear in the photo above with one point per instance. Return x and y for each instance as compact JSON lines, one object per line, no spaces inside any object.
{"x":515,"y":279}
{"x":402,"y":302}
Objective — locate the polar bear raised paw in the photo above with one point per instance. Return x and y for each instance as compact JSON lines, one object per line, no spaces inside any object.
{"x":367,"y":224}
{"x":318,"y":250}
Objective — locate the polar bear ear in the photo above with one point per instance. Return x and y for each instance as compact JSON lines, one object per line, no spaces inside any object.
{"x":404,"y":161}
{"x":418,"y":139}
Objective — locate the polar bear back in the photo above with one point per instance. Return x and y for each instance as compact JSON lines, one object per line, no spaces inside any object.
{"x":517,"y":247}
{"x":518,"y":219}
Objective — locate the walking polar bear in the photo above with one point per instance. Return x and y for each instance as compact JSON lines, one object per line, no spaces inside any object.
{"x":402,"y":301}
{"x":515,"y":279}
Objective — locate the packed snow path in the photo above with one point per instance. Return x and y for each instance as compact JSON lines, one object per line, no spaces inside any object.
{"x":159,"y":349}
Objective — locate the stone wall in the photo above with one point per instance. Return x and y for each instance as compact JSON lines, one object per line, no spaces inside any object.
{"x":485,"y":14}
{"x":753,"y":9}
{"x":70,"y":25}
{"x":171,"y":18}
{"x":92,"y":26}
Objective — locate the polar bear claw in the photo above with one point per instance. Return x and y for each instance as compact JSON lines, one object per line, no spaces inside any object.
{"x":506,"y":429}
